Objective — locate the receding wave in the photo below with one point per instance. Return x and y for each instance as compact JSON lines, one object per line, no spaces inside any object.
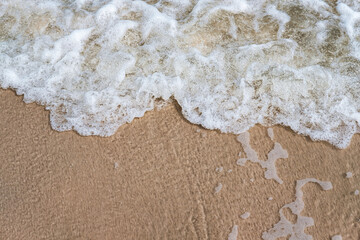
{"x":229,"y":64}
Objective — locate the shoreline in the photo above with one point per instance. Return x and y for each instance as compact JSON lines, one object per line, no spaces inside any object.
{"x":156,"y":178}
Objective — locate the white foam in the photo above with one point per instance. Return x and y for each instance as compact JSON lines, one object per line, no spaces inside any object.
{"x":245,"y":215}
{"x":280,"y":16}
{"x":356,"y":192}
{"x":229,"y":64}
{"x":234,"y":233}
{"x":336,"y":237}
{"x":350,"y":19}
{"x":270,"y":132}
{"x":349,"y":175}
{"x":218,"y":188}
{"x":296,"y":230}
{"x":251,"y":155}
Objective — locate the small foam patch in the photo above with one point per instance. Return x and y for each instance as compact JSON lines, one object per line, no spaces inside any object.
{"x":234,"y":233}
{"x":296,"y":230}
{"x":251,"y":155}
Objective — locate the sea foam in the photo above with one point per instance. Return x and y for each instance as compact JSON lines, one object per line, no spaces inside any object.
{"x":229,"y":64}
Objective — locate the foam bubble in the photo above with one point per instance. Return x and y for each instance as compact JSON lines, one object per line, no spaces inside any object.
{"x":219,"y":169}
{"x":245,"y":215}
{"x":229,"y":64}
{"x":336,"y":237}
{"x":270,"y":132}
{"x":234,"y":233}
{"x":349,"y":175}
{"x":218,"y":188}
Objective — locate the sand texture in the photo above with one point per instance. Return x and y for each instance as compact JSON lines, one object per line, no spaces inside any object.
{"x":159,"y":178}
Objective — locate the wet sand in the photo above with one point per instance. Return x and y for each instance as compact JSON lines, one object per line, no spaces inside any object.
{"x":156,"y":179}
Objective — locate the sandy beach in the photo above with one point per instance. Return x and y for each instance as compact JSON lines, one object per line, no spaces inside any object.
{"x":158,"y":178}
{"x":154,"y":77}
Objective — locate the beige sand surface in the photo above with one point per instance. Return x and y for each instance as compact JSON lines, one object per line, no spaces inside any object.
{"x":156,"y":179}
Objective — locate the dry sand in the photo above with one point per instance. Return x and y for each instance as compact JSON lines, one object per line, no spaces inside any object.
{"x":156,"y":179}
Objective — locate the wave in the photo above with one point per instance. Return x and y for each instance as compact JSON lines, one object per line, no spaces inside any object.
{"x":229,"y":64}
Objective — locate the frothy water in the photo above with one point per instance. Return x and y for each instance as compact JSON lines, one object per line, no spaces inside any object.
{"x":229,"y":64}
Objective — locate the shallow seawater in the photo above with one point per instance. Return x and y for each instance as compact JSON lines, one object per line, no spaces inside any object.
{"x":229,"y":64}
